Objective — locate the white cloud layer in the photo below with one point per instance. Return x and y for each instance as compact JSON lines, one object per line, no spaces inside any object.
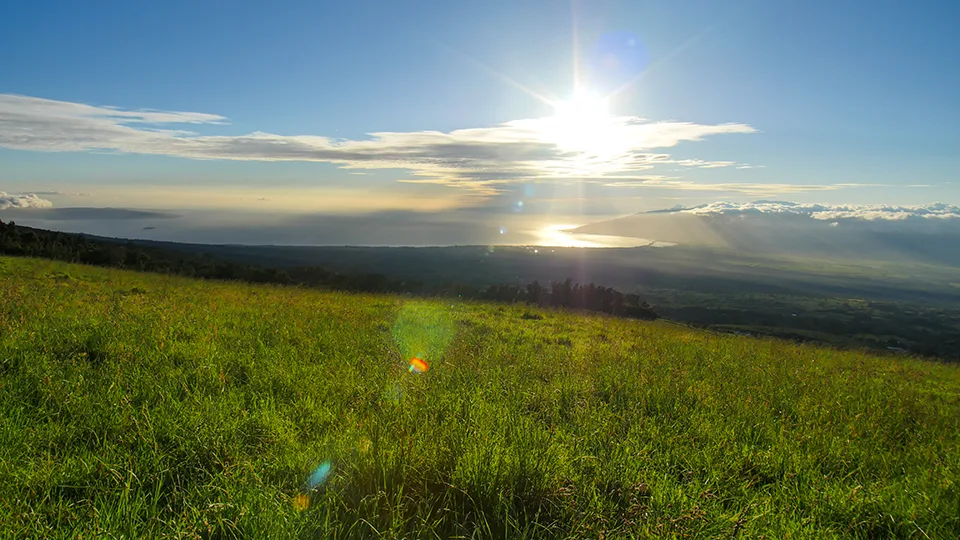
{"x":478,"y":159}
{"x":829,"y":212}
{"x":753,"y":189}
{"x":22,"y":201}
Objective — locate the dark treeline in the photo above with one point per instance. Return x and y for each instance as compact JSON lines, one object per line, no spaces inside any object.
{"x":573,"y":295}
{"x":29,"y":242}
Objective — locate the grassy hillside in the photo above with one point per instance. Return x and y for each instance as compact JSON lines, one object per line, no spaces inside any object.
{"x":139,"y":405}
{"x":900,"y":303}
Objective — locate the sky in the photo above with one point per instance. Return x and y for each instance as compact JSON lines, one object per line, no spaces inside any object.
{"x":436,"y":122}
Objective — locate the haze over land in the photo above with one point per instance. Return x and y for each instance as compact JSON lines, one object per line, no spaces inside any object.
{"x":925,"y":233}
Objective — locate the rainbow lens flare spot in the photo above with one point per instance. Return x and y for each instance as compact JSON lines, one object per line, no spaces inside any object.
{"x":418,"y":366}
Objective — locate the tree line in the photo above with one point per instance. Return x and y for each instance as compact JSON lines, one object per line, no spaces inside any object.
{"x":77,"y":248}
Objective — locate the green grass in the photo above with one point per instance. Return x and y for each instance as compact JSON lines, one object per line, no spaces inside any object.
{"x":136,"y":405}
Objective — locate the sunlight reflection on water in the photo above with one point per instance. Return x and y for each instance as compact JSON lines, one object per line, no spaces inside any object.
{"x":560,"y":236}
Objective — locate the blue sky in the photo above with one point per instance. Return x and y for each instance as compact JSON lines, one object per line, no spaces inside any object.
{"x":813,"y":101}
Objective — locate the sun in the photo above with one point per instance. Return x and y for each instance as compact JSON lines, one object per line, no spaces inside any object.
{"x":585,"y":127}
{"x":584,"y":108}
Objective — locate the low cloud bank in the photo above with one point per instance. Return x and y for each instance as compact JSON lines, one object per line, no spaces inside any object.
{"x":29,"y":200}
{"x":827,"y":211}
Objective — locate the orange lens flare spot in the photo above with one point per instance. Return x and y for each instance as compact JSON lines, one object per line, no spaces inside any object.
{"x":418,"y":366}
{"x":301,"y":502}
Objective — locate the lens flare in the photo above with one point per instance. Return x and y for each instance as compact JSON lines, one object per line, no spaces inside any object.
{"x":616,"y":59}
{"x":423,"y":330}
{"x":418,"y":366}
{"x":301,"y":502}
{"x":319,"y":476}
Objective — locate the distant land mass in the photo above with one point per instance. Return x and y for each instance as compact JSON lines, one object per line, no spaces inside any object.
{"x":928,"y":234}
{"x":86,"y":214}
{"x":882,"y":277}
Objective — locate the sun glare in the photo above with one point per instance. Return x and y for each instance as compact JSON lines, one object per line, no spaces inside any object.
{"x":557,"y":236}
{"x":584,"y":126}
{"x":562,"y":235}
{"x":582,"y":109}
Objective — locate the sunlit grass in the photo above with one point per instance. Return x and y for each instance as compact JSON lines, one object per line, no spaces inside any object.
{"x":138,"y":405}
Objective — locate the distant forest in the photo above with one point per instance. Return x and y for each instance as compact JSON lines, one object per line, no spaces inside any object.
{"x":76,"y":248}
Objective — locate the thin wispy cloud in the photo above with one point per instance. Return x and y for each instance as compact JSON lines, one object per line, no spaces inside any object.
{"x":702,"y":164}
{"x":755,"y":189}
{"x":477,"y":159}
{"x":54,"y":194}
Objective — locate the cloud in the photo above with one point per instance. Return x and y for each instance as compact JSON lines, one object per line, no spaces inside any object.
{"x":30,"y":200}
{"x":478,"y":159}
{"x":55,"y":194}
{"x":829,"y":212}
{"x":50,"y":109}
{"x":757,"y":189}
{"x":702,"y":164}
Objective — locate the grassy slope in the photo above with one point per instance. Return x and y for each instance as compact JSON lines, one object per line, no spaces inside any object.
{"x":144,"y":405}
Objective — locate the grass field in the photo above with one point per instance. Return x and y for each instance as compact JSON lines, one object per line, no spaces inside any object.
{"x":136,"y":405}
